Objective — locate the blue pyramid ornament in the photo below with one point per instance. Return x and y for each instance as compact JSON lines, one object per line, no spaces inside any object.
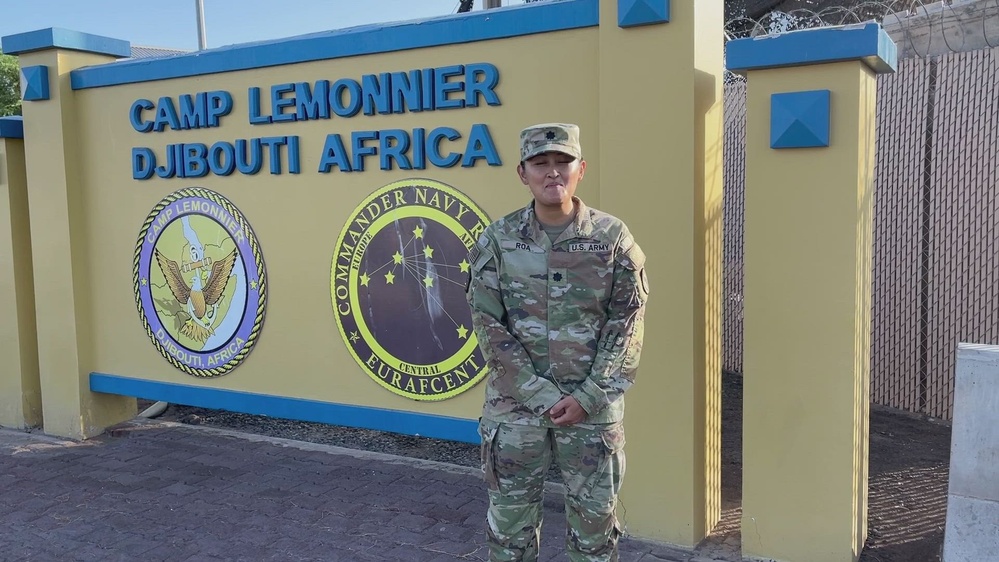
{"x":800,"y":119}
{"x":35,"y":83}
{"x":631,"y":13}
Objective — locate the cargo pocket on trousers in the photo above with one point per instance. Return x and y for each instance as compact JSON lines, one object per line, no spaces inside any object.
{"x":487,"y":452}
{"x":613,"y":437}
{"x":614,"y":441}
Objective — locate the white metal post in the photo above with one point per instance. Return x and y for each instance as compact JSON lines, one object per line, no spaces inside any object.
{"x":200,"y":6}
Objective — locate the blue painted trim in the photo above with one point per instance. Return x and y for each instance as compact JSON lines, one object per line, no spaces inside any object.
{"x":407,"y":423}
{"x":481,"y":25}
{"x":12,"y":127}
{"x":35,"y":83}
{"x":57,"y":38}
{"x":800,"y":119}
{"x":867,"y":42}
{"x":634,"y":13}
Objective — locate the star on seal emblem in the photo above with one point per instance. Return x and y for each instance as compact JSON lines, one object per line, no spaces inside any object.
{"x":398,"y":278}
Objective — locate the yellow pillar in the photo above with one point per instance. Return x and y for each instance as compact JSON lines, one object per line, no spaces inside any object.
{"x":810,"y":142}
{"x":20,"y":394}
{"x":57,"y":211}
{"x":660,"y":169}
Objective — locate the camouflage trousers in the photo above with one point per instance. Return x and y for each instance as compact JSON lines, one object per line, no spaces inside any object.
{"x":515,"y":460}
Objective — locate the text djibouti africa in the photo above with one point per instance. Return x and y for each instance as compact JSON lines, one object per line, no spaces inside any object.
{"x":414,"y":91}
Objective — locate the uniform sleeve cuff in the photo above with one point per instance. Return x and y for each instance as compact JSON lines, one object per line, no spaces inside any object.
{"x":585,"y":398}
{"x":544,"y":399}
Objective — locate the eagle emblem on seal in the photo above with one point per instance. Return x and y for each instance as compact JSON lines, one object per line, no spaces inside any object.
{"x":202,"y":297}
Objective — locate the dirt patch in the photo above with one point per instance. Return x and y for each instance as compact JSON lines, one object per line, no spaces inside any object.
{"x":909,"y":461}
{"x":909,"y":471}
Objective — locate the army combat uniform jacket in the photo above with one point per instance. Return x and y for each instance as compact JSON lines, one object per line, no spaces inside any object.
{"x":556,"y":319}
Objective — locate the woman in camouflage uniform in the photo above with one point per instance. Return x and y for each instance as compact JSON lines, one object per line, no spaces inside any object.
{"x":557,"y":291}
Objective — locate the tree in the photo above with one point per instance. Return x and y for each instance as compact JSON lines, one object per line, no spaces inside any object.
{"x":10,"y":86}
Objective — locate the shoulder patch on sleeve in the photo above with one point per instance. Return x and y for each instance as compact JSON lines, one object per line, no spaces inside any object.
{"x":627,"y":241}
{"x":631,"y":257}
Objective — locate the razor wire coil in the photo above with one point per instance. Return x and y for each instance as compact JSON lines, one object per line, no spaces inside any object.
{"x":906,"y":14}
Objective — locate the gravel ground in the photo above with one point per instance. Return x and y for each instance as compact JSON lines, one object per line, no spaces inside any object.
{"x":426,"y":448}
{"x":463,"y":454}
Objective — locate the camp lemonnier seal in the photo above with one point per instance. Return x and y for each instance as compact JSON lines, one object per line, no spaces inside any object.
{"x":200,"y":283}
{"x":398,"y":289}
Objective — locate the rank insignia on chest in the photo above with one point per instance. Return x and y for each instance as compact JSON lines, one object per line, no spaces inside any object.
{"x":558,"y":282}
{"x":558,"y":276}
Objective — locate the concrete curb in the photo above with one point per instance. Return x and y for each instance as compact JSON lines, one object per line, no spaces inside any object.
{"x":140,"y":424}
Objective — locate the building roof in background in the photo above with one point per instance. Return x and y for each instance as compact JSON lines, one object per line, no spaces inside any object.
{"x":139,"y":52}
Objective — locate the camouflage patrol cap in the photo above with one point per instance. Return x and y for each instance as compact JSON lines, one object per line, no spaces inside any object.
{"x":560,"y":137}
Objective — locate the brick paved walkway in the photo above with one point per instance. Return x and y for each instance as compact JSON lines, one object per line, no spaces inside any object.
{"x":154,"y":490}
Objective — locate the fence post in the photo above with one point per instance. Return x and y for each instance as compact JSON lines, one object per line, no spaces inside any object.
{"x":20,"y":395}
{"x":57,"y":214}
{"x":810,"y":142}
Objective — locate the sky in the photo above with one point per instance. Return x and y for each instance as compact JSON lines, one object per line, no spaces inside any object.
{"x":173,"y":23}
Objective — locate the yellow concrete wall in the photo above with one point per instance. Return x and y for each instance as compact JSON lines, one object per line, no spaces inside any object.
{"x":652,"y":139}
{"x":297,"y":218}
{"x":20,"y":392}
{"x":648,"y":100}
{"x":661,"y":170}
{"x":807,"y":318}
{"x":59,"y":244}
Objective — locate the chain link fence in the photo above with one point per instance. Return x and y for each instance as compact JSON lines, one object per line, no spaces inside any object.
{"x":936,"y":216}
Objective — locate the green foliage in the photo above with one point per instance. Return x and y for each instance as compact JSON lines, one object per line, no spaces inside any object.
{"x":10,"y":86}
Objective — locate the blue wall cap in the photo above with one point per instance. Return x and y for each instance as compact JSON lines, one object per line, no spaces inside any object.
{"x":867,"y":42}
{"x":12,"y":127}
{"x":57,"y":38}
{"x":481,"y":25}
{"x":396,"y":421}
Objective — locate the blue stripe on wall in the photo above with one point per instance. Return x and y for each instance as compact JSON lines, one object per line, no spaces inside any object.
{"x":12,"y":127}
{"x":55,"y":37}
{"x":407,"y":423}
{"x":869,"y":43}
{"x":363,"y":40}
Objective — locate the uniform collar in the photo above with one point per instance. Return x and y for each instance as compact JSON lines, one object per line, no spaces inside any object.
{"x":530,"y":227}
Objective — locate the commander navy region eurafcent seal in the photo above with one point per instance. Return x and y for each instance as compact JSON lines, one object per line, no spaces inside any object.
{"x":398,"y":288}
{"x":200,"y":282}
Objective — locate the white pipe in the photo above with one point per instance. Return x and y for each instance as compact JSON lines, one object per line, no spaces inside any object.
{"x":154,"y":410}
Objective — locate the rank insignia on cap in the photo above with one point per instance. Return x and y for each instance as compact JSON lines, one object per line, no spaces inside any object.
{"x":548,"y":137}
